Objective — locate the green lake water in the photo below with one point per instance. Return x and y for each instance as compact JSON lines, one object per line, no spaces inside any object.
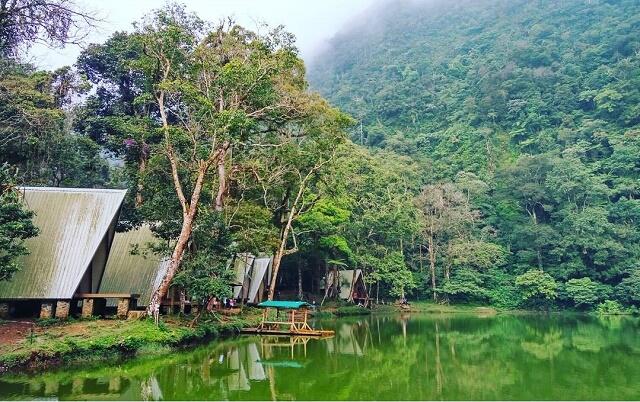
{"x":416,"y":356}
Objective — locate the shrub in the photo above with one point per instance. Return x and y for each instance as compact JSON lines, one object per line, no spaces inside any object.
{"x":322,"y":314}
{"x":610,"y":307}
{"x":352,"y":310}
{"x":537,"y":286}
{"x":628,"y":290}
{"x":583,"y":291}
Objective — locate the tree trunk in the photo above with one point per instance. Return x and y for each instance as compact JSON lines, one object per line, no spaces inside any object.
{"x":326,"y":282}
{"x":432,"y":266}
{"x":277,"y":259}
{"x":176,"y":257}
{"x":183,"y":239}
{"x":222,"y":183}
{"x":300,"y":281}
{"x":282,"y":250}
{"x":141,"y":169}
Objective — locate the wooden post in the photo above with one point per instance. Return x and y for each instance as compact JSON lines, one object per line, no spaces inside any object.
{"x":293,"y":320}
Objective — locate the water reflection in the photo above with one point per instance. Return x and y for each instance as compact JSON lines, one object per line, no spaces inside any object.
{"x":379,"y":357}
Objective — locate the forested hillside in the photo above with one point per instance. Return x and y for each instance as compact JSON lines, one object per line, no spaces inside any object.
{"x":524,"y":120}
{"x":494,"y":153}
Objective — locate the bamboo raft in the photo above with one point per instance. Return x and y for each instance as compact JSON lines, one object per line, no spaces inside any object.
{"x":290,"y":318}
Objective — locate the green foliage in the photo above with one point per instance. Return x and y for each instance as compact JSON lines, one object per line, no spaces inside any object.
{"x":537,"y":285}
{"x":35,"y":136}
{"x":16,"y":225}
{"x":537,"y":102}
{"x":584,"y":292}
{"x":351,"y":311}
{"x":628,"y":290}
{"x":206,"y":269}
{"x":609,"y":307}
{"x":465,"y":284}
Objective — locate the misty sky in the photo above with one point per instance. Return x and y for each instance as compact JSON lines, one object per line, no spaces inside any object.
{"x":312,"y":21}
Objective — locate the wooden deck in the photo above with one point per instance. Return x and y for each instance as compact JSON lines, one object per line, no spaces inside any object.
{"x":305,"y":332}
{"x":286,"y":318}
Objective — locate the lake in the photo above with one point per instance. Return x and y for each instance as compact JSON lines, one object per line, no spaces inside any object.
{"x":415,"y":356}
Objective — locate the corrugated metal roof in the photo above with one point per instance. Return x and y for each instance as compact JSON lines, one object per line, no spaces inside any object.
{"x":127,"y":273}
{"x":260,"y":267}
{"x":242,"y":264}
{"x":72,"y":224}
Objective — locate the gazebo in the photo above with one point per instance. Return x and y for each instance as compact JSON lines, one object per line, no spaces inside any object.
{"x":281,"y":317}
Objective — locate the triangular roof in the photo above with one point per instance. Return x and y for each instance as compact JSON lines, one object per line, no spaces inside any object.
{"x":133,"y":273}
{"x":260,"y":267}
{"x":73,"y":223}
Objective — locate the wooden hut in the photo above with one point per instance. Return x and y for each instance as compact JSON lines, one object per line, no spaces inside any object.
{"x":68,"y":257}
{"x":352,"y":286}
{"x":137,"y":272}
{"x":346,"y":284}
{"x":252,"y":275}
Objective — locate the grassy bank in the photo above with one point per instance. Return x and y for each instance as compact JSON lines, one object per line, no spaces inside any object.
{"x":341,"y":309}
{"x":51,"y":344}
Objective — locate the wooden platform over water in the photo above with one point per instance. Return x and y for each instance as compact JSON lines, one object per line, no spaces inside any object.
{"x":295,"y":332}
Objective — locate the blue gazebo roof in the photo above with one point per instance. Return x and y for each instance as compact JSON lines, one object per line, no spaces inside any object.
{"x":284,"y":304}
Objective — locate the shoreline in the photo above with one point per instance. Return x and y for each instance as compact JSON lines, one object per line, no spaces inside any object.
{"x":53,"y":345}
{"x":75,"y":341}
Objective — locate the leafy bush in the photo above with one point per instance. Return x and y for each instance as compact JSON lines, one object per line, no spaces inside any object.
{"x":583,"y":291}
{"x":628,"y":290}
{"x":465,"y":284}
{"x":47,"y":322}
{"x":610,"y":307}
{"x":322,"y":314}
{"x":538,"y":286}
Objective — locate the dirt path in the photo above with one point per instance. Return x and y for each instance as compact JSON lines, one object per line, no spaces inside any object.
{"x":12,"y":332}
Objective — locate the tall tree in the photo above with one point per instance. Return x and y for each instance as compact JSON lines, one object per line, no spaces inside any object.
{"x":217,"y":92}
{"x":54,"y":22}
{"x":16,"y":225}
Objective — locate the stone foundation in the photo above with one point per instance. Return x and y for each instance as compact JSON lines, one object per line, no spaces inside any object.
{"x":62,"y":309}
{"x":51,"y":387}
{"x":87,"y":308}
{"x":46,"y":310}
{"x":4,"y":310}
{"x":114,"y":384}
{"x":136,"y":314}
{"x":77,"y":386}
{"x":123,"y":308}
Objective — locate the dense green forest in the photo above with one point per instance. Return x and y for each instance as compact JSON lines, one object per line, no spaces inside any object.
{"x":493,"y":155}
{"x":524,"y":119}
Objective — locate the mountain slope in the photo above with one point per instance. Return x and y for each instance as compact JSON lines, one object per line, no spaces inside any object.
{"x":535,"y":102}
{"x":502,"y":72}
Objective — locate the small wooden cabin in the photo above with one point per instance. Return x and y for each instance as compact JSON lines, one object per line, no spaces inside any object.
{"x":69,"y":254}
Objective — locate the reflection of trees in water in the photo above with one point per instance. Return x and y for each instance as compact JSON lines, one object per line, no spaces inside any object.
{"x":549,"y":346}
{"x":379,"y":357}
{"x":590,"y":338}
